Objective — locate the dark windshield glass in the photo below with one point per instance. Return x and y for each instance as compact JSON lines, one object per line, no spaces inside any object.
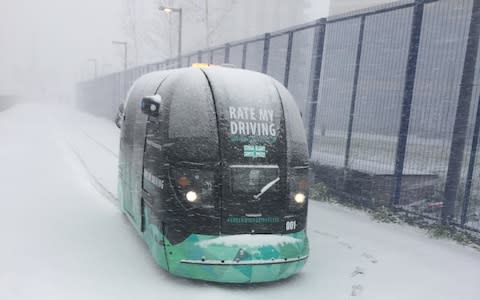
{"x":248,"y":179}
{"x":250,"y":116}
{"x":296,"y":139}
{"x":192,"y":127}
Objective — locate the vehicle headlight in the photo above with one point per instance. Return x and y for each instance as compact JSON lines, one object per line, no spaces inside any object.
{"x":191,"y":196}
{"x":299,"y":198}
{"x":298,"y":181}
{"x":193,"y":188}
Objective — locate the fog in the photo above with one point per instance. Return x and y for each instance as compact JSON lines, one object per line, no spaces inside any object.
{"x":343,"y":6}
{"x":368,"y":123}
{"x":46,"y":45}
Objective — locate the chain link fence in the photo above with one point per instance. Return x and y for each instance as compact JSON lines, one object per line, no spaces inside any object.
{"x":389,"y":96}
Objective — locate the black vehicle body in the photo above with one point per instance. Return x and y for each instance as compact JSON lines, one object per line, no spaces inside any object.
{"x":234,"y":137}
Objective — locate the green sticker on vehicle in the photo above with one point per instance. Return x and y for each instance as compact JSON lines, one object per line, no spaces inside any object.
{"x":252,"y":220}
{"x":254,"y":151}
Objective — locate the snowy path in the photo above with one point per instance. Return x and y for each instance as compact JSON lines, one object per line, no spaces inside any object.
{"x":63,"y":237}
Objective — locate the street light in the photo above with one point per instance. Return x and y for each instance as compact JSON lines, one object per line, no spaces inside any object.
{"x":179,"y":11}
{"x":94,"y":60}
{"x":124,"y":44}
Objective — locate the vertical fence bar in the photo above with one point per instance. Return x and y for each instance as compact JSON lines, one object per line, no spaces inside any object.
{"x":244,"y":55}
{"x":288,"y":59}
{"x":199,"y":56}
{"x":354,"y":94}
{"x":460,"y":126}
{"x":266,"y":52}
{"x":227,"y":53}
{"x":410,"y":74}
{"x":315,"y":71}
{"x":471,"y":166}
{"x":211,"y":57}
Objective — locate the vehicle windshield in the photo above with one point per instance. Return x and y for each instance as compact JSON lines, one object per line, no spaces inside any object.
{"x":252,"y":179}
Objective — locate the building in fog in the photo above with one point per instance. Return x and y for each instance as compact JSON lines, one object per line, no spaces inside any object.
{"x":153,"y":34}
{"x":344,"y":6}
{"x":230,"y":20}
{"x":251,"y":17}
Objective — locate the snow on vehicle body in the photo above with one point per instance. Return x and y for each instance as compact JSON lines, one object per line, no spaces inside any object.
{"x":213,"y":174}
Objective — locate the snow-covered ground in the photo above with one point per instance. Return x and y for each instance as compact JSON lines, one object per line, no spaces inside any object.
{"x":63,"y":237}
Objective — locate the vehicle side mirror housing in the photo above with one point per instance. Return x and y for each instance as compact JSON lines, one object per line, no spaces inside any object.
{"x":120,"y":116}
{"x":151,"y":105}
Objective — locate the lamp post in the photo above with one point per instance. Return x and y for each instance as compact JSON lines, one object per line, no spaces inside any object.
{"x":94,"y":61}
{"x":124,"y":44}
{"x":169,"y":10}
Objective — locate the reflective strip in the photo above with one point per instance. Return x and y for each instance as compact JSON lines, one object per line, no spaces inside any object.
{"x":245,"y":262}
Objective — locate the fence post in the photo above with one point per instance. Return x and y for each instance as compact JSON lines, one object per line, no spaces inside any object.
{"x":199,"y":56}
{"x":288,"y":59}
{"x":244,"y":56}
{"x":227,"y":53}
{"x":460,"y":126}
{"x":315,"y":71}
{"x":266,"y":52}
{"x":410,"y":73}
{"x":471,"y":166}
{"x":354,"y":95}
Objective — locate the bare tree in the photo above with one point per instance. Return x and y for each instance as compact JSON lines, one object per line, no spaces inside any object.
{"x":212,"y":14}
{"x":152,"y":33}
{"x":148,"y":31}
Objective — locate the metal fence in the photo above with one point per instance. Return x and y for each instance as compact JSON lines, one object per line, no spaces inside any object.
{"x":389,"y":96}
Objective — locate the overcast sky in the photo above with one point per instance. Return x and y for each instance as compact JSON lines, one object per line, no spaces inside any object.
{"x":48,"y":41}
{"x":45,"y":44}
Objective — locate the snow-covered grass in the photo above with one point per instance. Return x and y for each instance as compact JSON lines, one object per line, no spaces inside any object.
{"x":62,"y":238}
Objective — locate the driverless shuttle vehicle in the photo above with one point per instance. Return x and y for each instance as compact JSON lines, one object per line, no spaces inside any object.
{"x":213,"y":173}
